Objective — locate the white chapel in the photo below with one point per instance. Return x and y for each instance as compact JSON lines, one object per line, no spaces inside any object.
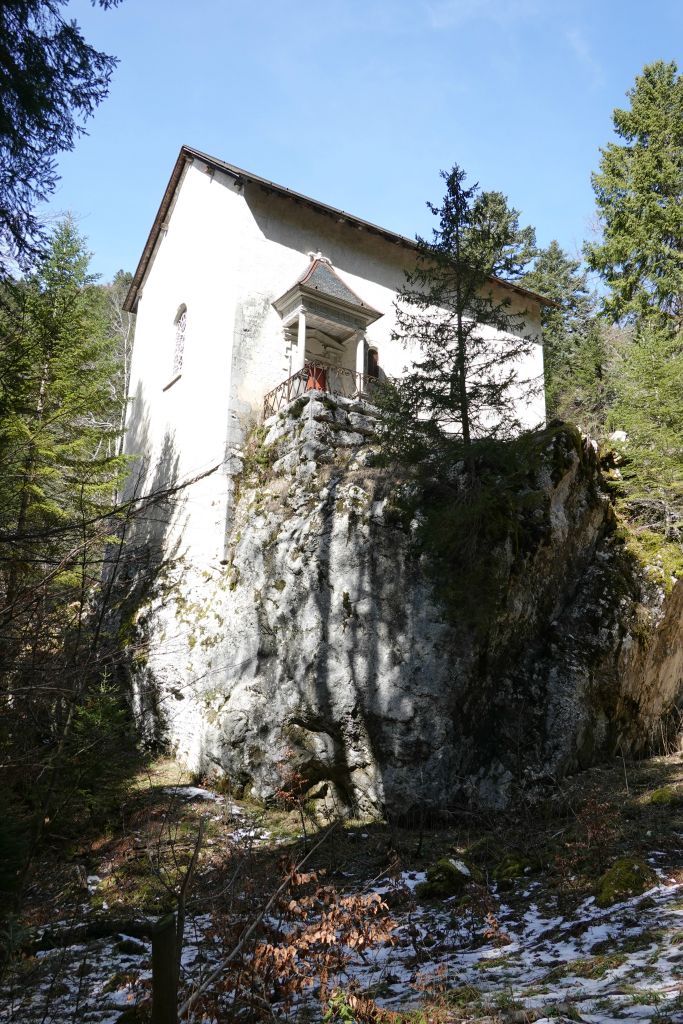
{"x":246,"y":293}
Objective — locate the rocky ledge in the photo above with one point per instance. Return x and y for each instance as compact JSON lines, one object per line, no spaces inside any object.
{"x":323,"y":658}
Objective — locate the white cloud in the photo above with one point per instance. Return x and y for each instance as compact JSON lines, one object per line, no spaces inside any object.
{"x":583,"y":53}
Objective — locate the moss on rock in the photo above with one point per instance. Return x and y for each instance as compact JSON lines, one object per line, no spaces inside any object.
{"x":628,"y":876}
{"x":666,"y":795}
{"x":513,"y":865}
{"x":448,"y":877}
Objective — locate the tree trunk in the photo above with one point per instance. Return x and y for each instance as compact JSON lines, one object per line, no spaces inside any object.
{"x":164,"y":972}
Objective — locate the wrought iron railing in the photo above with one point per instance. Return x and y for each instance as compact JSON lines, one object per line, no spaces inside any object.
{"x":335,"y":380}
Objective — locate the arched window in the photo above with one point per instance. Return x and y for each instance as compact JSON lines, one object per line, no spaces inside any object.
{"x":180,"y":323}
{"x":373,"y":363}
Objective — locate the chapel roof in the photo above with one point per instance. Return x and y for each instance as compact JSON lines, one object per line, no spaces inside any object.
{"x":240,"y":176}
{"x":321,"y":282}
{"x":321,"y":276}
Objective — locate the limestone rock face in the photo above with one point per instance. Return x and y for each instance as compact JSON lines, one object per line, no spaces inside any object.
{"x":322,"y":659}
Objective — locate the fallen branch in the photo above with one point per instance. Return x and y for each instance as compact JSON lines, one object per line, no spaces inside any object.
{"x":137,"y":928}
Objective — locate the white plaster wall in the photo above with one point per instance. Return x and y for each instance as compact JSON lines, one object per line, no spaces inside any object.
{"x":279,"y":235}
{"x":196,"y":263}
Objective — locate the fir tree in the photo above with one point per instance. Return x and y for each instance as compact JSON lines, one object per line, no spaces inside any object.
{"x":639,"y":193}
{"x":121,"y":325}
{"x":649,"y":407}
{"x":569,"y":330}
{"x":50,"y":81}
{"x":585,"y":392}
{"x":465,"y":384}
{"x":57,"y":407}
{"x":61,"y":711}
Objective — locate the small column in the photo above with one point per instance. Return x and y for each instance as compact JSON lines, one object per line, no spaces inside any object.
{"x":300,"y":359}
{"x":361,"y":357}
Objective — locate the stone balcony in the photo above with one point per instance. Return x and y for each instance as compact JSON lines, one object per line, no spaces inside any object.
{"x":318,"y":378}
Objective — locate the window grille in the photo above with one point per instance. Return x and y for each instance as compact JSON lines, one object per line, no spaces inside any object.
{"x":179,"y":349}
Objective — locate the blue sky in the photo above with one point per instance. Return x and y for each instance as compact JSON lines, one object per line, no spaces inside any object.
{"x":360,"y":104}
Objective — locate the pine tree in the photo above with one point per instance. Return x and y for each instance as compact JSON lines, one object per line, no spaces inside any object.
{"x":639,"y":193}
{"x":465,"y":384}
{"x":569,"y":329}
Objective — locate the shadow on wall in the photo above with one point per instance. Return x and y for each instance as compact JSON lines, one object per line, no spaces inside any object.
{"x":150,"y":553}
{"x":376,"y":259}
{"x":338,"y":682}
{"x":378,"y":645}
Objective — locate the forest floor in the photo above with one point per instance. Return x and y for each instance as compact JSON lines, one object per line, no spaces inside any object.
{"x":570,"y":911}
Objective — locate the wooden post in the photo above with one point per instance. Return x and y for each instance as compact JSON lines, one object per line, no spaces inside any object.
{"x":164,"y":971}
{"x":300,"y":343}
{"x":360,"y":362}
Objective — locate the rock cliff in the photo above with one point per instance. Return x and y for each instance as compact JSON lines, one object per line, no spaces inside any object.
{"x":325,"y":657}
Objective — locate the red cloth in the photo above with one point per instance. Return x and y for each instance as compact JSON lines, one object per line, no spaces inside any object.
{"x":317,"y":378}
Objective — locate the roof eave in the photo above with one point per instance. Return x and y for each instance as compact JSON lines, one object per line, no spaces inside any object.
{"x":362,"y":311}
{"x":238,"y":174}
{"x":131,"y":302}
{"x":541,"y":299}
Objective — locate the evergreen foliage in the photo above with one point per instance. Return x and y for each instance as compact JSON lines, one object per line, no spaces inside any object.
{"x":585,"y":392}
{"x":639,"y":194}
{"x":57,"y":404}
{"x":465,"y":383}
{"x":50,"y":81}
{"x":63,"y":725}
{"x":453,"y":419}
{"x":569,"y":331}
{"x":121,"y":325}
{"x":649,"y":407}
